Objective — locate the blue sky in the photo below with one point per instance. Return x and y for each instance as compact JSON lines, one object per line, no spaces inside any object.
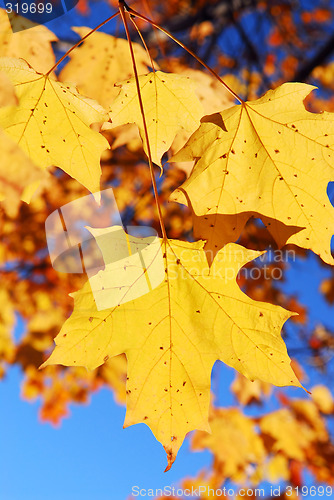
{"x":89,"y":457}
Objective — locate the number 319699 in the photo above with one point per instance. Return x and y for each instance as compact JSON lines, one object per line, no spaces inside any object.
{"x":25,"y":8}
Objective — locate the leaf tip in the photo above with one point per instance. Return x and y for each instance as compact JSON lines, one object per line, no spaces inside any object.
{"x":170,"y":458}
{"x":178,"y":196}
{"x":44,"y":365}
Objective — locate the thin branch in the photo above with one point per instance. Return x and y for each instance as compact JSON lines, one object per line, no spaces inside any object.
{"x":157,"y":39}
{"x":143,"y":42}
{"x":123,"y":7}
{"x":140,"y":16}
{"x":80,"y":41}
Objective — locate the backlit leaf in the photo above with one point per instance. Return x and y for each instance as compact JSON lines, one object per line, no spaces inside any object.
{"x":173,"y":335}
{"x":270,"y":158}
{"x":170,"y":104}
{"x":51,"y":124}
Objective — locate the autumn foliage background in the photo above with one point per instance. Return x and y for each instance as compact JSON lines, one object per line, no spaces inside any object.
{"x":261,"y":434}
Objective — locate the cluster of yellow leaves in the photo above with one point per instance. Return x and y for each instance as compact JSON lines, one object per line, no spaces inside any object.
{"x":275,"y":447}
{"x":41,"y":103}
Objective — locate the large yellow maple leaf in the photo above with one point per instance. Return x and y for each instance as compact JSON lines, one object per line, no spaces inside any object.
{"x":170,"y":104}
{"x":100,"y":62}
{"x":52,"y":123}
{"x":269,"y":158}
{"x":173,"y":334}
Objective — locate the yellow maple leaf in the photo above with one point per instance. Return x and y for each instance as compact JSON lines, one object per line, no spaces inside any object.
{"x":31,"y":41}
{"x":51,"y":124}
{"x":269,"y":158}
{"x":210,"y":93}
{"x":170,"y":104}
{"x":173,"y":334}
{"x":100,"y":62}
